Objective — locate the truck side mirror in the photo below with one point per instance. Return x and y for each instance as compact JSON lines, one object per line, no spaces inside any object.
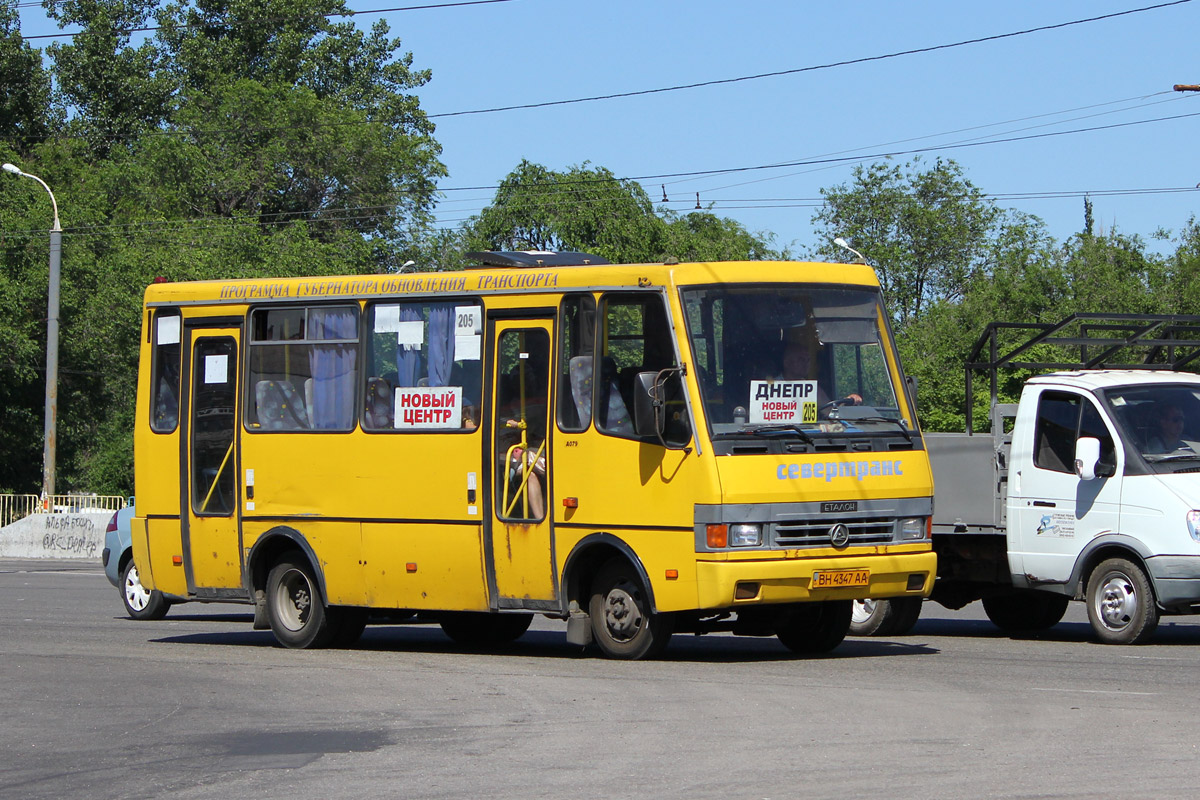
{"x":1087,"y":456}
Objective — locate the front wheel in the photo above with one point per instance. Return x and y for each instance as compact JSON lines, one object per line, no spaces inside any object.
{"x":815,"y":627}
{"x":141,"y":603}
{"x":623,"y":625}
{"x":295,"y":607}
{"x":1120,"y":603}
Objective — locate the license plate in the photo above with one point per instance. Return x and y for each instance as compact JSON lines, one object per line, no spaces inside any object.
{"x":841,"y":577}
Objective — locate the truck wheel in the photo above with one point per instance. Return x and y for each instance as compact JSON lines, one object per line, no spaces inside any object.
{"x":478,"y":629}
{"x":1026,"y":611}
{"x":623,"y":625}
{"x":1120,"y":603}
{"x":815,"y":627}
{"x":893,"y":617}
{"x":295,"y":607}
{"x":140,"y":602}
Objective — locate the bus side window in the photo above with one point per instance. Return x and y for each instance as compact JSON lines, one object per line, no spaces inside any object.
{"x":421,"y":346}
{"x":577,"y":334}
{"x":635,"y":338}
{"x":164,"y":370}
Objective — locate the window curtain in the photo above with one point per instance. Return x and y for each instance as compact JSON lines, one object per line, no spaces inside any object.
{"x":408,"y":362}
{"x":333,"y":368}
{"x":441,"y":343}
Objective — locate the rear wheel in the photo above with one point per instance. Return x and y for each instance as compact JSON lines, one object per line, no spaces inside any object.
{"x":485,"y":630}
{"x":623,"y":626}
{"x":892,"y":617}
{"x":295,"y":607}
{"x":815,"y":627}
{"x":141,"y":603}
{"x":1026,"y":611}
{"x":1120,"y":603}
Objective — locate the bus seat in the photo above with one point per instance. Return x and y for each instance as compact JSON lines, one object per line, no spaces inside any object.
{"x":379,"y":403}
{"x":617,"y":418}
{"x":580,"y":373}
{"x":279,"y":407}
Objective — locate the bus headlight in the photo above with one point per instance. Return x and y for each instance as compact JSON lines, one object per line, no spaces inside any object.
{"x":1193,"y":521}
{"x":745,"y":534}
{"x":914,"y":529}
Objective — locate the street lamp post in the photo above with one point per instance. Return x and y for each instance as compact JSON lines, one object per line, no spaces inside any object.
{"x":51,"y":428}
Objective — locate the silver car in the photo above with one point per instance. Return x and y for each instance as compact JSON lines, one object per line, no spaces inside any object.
{"x":140,"y":602}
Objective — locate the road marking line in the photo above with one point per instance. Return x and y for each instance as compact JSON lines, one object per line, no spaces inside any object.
{"x":1094,"y":691}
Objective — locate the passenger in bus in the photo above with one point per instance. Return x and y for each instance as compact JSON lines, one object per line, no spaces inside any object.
{"x":1168,"y":435}
{"x":510,"y":413}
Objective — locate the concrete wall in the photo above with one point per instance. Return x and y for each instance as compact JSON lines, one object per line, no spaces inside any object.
{"x":78,"y":535}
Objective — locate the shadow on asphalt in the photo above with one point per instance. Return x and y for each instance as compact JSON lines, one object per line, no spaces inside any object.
{"x":426,"y":638}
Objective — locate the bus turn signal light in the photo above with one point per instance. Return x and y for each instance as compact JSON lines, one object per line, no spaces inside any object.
{"x":571,"y":502}
{"x":717,"y":535}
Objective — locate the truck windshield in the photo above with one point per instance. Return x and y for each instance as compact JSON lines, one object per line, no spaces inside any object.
{"x":1161,"y":420}
{"x":784,"y":360}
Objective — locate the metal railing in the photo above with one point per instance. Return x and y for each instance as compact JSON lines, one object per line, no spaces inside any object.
{"x":18,"y":506}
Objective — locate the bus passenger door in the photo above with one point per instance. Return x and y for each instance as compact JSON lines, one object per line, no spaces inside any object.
{"x":519,"y":547}
{"x":211,"y":539}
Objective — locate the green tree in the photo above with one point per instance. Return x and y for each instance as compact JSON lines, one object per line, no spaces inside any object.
{"x":926,"y":231}
{"x":590,"y":210}
{"x":26,"y":115}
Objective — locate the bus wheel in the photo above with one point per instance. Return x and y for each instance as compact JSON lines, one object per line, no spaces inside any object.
{"x":1026,"y":611}
{"x":294,"y":605}
{"x":475,"y":629}
{"x":1120,"y":603}
{"x":815,"y":627}
{"x":622,"y":624}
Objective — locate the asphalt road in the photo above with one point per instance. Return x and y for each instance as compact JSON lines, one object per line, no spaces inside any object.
{"x":199,"y":705}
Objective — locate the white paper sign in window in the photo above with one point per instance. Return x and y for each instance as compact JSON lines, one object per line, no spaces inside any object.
{"x":387,"y":319}
{"x":428,"y":407}
{"x":410,"y":334}
{"x":783,"y":402}
{"x":467,"y":347}
{"x":216,"y":369}
{"x":468,"y":319}
{"x":168,"y":329}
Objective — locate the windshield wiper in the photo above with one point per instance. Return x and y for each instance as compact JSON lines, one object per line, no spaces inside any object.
{"x":903,"y":428}
{"x":781,"y":430}
{"x":1177,"y":455}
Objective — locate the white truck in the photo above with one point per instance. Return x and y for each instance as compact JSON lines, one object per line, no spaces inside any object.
{"x":1093,"y":494}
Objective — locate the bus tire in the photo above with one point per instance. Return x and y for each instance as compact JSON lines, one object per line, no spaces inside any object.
{"x":141,"y":603}
{"x":295,"y":607}
{"x":477,"y":629}
{"x":1120,"y":603}
{"x":819,"y":627}
{"x":1026,"y":611}
{"x":623,"y":625}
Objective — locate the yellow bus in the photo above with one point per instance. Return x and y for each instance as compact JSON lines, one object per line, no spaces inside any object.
{"x":636,"y":450}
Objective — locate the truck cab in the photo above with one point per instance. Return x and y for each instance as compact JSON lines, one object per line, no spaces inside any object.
{"x":1103,"y":491}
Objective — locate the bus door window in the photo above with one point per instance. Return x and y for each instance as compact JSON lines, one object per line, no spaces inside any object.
{"x":522,"y":392}
{"x":214,"y":363}
{"x":422,"y":346}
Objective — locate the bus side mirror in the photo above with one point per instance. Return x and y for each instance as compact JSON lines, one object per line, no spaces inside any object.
{"x":645,"y":421}
{"x":1087,"y":457}
{"x":658,"y":407}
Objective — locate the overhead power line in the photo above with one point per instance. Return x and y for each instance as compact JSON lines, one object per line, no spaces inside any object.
{"x":798,"y":70}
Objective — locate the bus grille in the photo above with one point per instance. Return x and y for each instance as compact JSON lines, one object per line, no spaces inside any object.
{"x":815,"y":532}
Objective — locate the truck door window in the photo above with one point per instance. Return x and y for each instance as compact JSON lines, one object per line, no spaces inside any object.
{"x":1062,"y":419}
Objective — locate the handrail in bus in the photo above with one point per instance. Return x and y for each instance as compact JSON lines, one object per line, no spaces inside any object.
{"x":217,"y":477}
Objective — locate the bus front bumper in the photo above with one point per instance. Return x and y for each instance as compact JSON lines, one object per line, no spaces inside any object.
{"x":729,"y":584}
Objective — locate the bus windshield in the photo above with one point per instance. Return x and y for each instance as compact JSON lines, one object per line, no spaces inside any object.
{"x":802,"y":359}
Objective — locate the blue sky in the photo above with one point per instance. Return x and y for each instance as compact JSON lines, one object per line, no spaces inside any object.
{"x":1110,"y":72}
